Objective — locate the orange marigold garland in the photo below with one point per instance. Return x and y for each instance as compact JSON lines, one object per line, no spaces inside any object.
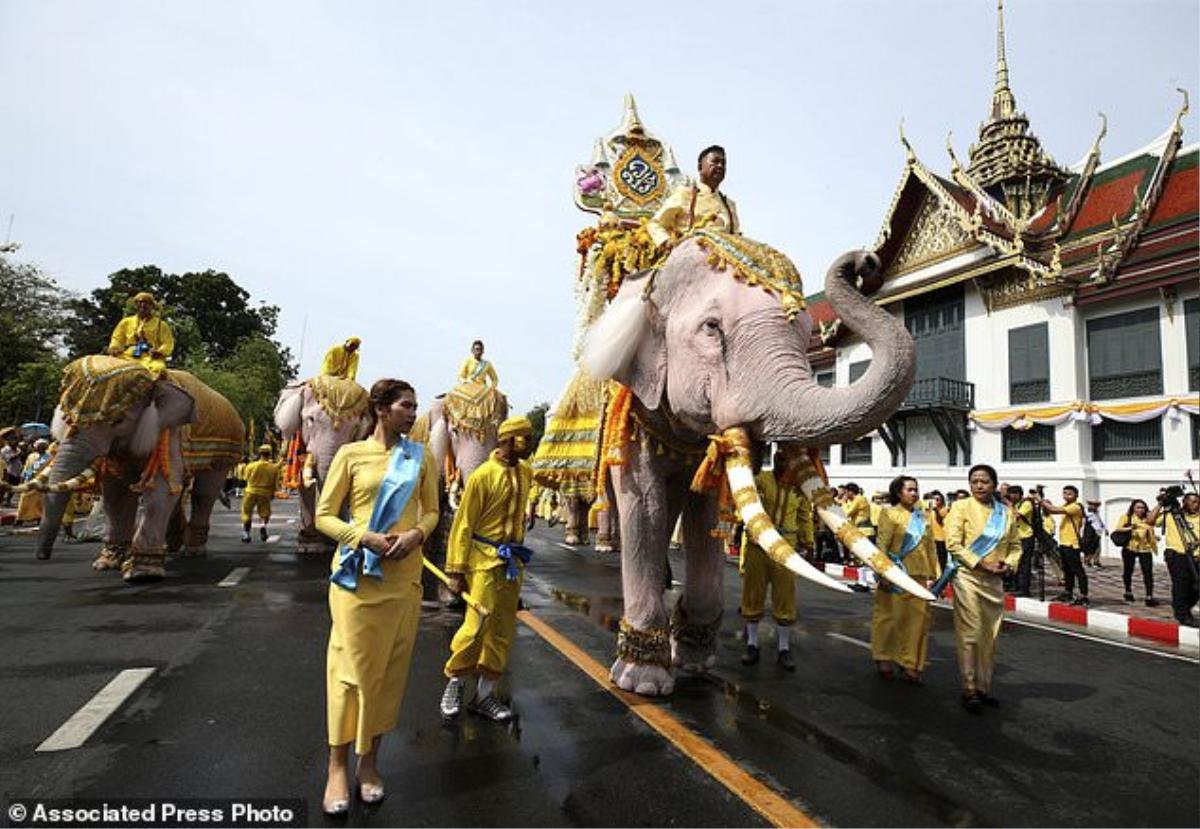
{"x":615,"y":435}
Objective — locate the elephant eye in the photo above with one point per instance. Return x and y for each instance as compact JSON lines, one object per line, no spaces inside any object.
{"x":712,"y":326}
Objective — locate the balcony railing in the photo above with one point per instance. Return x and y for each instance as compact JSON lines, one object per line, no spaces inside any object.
{"x":940,"y":392}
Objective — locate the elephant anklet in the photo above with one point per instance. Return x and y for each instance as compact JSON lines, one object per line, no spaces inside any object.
{"x":649,"y":647}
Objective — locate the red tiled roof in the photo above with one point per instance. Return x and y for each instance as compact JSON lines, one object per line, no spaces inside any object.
{"x":1104,"y":200}
{"x":1181,"y":195}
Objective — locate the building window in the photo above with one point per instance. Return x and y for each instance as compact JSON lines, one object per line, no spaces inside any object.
{"x":1036,"y":444}
{"x":935,"y":321}
{"x":1029,"y":364}
{"x":1191,"y":324}
{"x":1113,"y":441}
{"x":1125,"y":356}
{"x":858,"y":452}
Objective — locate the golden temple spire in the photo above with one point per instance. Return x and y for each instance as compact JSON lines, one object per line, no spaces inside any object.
{"x":632,"y":122}
{"x":1004,"y":105}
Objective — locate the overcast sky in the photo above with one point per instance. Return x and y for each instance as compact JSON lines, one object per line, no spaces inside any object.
{"x":403,"y":171}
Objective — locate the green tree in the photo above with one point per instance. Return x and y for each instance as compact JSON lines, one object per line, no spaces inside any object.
{"x":537,"y":416}
{"x":33,"y":313}
{"x":32,"y":391}
{"x":251,"y":378}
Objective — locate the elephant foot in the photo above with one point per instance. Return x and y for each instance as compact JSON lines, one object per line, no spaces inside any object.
{"x":194,"y":552}
{"x":643,"y":661}
{"x":641,"y":678}
{"x":109,"y":557}
{"x":195,"y":539}
{"x":607,"y":544}
{"x":693,"y":646}
{"x":571,"y":538}
{"x":143,"y":566}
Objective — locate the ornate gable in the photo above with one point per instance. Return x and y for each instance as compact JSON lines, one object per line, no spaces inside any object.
{"x":934,"y":234}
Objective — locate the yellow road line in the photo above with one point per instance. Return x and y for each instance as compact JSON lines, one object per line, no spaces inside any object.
{"x":758,"y":796}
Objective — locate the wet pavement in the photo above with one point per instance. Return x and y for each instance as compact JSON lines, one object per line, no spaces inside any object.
{"x":236,"y":708}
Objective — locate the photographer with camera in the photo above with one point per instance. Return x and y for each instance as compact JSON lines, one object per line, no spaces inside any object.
{"x":1070,"y":530}
{"x":1179,"y":515}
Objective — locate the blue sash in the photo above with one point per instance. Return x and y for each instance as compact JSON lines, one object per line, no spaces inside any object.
{"x":509,"y":554}
{"x":479,"y":369}
{"x":403,"y":472}
{"x":984,"y":543}
{"x":912,"y":537}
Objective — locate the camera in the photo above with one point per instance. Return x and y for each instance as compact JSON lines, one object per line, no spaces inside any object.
{"x":1169,"y":497}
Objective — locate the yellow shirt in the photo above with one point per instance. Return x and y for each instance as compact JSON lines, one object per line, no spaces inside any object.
{"x":1070,"y":524}
{"x":893,"y":524}
{"x":1141,"y":539}
{"x":965,"y":523}
{"x":676,"y":216}
{"x":156,"y":333}
{"x":936,"y":519}
{"x":1174,"y":540}
{"x":340,"y":363}
{"x":493,"y":506}
{"x":481,"y":371}
{"x":261,"y":477}
{"x":355,"y":474}
{"x":858,"y":513}
{"x":790,"y":511}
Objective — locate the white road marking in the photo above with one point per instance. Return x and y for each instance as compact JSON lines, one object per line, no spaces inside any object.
{"x":235,"y":576}
{"x":273,"y":539}
{"x":564,"y":545}
{"x":84,"y":722}
{"x":1102,"y":641}
{"x":291,"y":520}
{"x":850,"y":639}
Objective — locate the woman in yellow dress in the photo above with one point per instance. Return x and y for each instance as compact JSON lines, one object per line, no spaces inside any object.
{"x":1140,"y":549}
{"x":982,"y":540}
{"x":900,"y":622}
{"x":391,"y":487}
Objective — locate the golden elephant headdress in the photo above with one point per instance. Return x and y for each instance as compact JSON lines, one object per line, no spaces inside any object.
{"x":755,"y":264}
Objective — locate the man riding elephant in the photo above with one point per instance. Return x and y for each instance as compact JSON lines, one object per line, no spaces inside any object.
{"x":144,"y":336}
{"x":713,"y":343}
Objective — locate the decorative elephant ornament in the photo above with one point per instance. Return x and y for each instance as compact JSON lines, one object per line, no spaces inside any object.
{"x":327,"y":412}
{"x":714,"y":343}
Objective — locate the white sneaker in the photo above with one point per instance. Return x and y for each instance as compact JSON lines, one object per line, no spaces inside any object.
{"x":452,"y":698}
{"x":492,"y":708}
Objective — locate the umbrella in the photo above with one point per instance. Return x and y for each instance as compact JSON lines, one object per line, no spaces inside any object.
{"x":35,"y":428}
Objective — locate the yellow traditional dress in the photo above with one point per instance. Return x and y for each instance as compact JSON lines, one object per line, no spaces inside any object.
{"x":858,"y":513}
{"x":978,"y":594}
{"x":262,"y":478}
{"x":900,"y":622}
{"x":340,"y":361}
{"x":791,"y":513}
{"x":478,"y":371}
{"x":156,"y":334}
{"x":29,"y":507}
{"x":690,"y":207}
{"x":374,"y":626}
{"x":492,"y":507}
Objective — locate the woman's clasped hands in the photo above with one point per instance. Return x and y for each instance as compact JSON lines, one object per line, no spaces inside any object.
{"x":393,"y":545}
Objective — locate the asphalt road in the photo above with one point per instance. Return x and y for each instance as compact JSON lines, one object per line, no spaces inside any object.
{"x":1089,"y":733}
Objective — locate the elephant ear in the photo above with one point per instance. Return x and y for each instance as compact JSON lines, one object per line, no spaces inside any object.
{"x":613,"y":339}
{"x":176,"y":407}
{"x":646,"y":374}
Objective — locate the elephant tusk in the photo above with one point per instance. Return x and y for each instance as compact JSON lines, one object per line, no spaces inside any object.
{"x":858,"y":544}
{"x":740,"y":472}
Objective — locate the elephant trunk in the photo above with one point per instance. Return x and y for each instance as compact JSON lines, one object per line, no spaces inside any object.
{"x":804,"y":412}
{"x":73,"y":458}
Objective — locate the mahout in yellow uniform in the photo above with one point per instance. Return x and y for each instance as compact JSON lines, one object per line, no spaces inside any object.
{"x":262,"y":479}
{"x":698,"y":205}
{"x":900,"y":621}
{"x":475,"y":369}
{"x":342,"y":360}
{"x":981,"y":537}
{"x":484,"y":555}
{"x":144,"y":336}
{"x":792,"y":516}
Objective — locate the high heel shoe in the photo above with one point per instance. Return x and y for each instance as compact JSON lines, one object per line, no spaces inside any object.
{"x":371,"y":793}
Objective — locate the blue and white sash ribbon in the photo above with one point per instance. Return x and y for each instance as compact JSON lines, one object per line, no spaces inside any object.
{"x":912,"y":538}
{"x":983,"y":544}
{"x":480,"y":368}
{"x":395,"y":490}
{"x":509,"y":554}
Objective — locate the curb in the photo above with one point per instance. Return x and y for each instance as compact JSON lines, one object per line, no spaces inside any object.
{"x":1170,"y":633}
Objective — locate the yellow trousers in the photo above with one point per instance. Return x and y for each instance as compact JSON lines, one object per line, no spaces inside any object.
{"x":481,"y":644}
{"x":900,"y":629}
{"x":760,"y":573}
{"x":978,"y":614}
{"x":250,"y":503}
{"x":370,"y":648}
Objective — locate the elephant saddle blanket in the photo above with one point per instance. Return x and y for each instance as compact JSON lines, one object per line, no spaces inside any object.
{"x":101,"y":389}
{"x":215,"y":438}
{"x":475,"y":407}
{"x":567,"y":454}
{"x":341,"y":399}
